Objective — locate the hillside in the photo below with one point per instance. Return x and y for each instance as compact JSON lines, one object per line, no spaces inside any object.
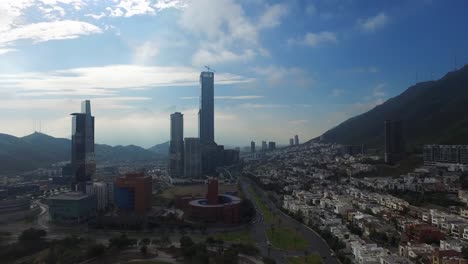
{"x":161,"y":149}
{"x":432,"y":112}
{"x":40,"y":150}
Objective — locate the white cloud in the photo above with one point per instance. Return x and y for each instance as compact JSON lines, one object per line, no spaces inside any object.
{"x":373,"y":23}
{"x":68,"y":105}
{"x":255,"y":106}
{"x":272,"y":16}
{"x":277,"y":76}
{"x":379,"y":90}
{"x":4,"y":51}
{"x":96,"y":17}
{"x":94,"y":79}
{"x":225,"y":33}
{"x":337,"y":92}
{"x":313,"y":39}
{"x":208,"y":56}
{"x":146,"y":52}
{"x":310,"y":9}
{"x":45,"y":31}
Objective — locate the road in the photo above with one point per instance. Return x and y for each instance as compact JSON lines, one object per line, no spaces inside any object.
{"x":316,"y":243}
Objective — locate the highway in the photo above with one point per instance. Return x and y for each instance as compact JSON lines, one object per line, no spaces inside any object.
{"x":316,"y":243}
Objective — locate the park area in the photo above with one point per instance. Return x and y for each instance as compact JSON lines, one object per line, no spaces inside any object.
{"x":281,"y":237}
{"x":309,"y":259}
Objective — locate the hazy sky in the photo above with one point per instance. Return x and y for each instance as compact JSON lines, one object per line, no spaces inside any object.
{"x":282,"y":67}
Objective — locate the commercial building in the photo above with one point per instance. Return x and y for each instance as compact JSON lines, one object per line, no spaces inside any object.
{"x":291,"y":142}
{"x":133,"y":193}
{"x":394,"y":141}
{"x":176,"y":146}
{"x":252,"y":146}
{"x":271,"y":145}
{"x":296,"y":140}
{"x":193,"y":159}
{"x":452,"y":154}
{"x":100,"y":191}
{"x":72,"y":207}
{"x":264,"y":146}
{"x":83,"y":160}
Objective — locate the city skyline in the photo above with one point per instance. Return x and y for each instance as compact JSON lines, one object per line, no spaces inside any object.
{"x":297,"y":63}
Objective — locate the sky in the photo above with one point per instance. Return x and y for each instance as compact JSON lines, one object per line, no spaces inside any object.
{"x":282,"y":67}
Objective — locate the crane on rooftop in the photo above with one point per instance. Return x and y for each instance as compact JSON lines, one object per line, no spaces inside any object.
{"x":209,"y":69}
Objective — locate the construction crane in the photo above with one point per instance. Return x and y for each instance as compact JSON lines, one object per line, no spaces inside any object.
{"x":210,"y":69}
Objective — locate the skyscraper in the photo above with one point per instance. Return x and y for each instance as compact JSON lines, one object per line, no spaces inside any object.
{"x":206,"y":112}
{"x":291,"y":141}
{"x":296,"y":140}
{"x":192,"y":158}
{"x":394,"y":141}
{"x":264,"y":146}
{"x":271,"y":145}
{"x":176,"y":146}
{"x":252,"y":146}
{"x":83,"y":159}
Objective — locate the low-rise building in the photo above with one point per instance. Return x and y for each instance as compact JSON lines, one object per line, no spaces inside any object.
{"x":72,"y":207}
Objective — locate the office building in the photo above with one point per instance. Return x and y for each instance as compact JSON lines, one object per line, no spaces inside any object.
{"x":100,"y":191}
{"x":193,"y":158}
{"x":296,"y":140}
{"x":206,"y":112}
{"x":72,"y":207}
{"x":445,"y":154}
{"x":271,"y":145}
{"x":176,"y":146}
{"x":82,"y":157}
{"x":394,"y":141}
{"x":291,"y":142}
{"x":252,"y":147}
{"x":231,"y":157}
{"x":133,"y":193}
{"x":264,"y":146}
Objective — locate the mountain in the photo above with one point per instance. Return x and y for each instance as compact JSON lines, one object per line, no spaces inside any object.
{"x":161,"y":149}
{"x":39,"y":150}
{"x":433,"y":112}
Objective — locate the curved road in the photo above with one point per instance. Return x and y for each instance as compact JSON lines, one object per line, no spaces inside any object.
{"x":316,"y":243}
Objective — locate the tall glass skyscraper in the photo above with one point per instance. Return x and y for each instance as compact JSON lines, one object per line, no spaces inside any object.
{"x":176,"y":148}
{"x":82,"y":157}
{"x":206,"y":113}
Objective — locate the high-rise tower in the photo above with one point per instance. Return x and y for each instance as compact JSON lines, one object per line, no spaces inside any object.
{"x":394,"y":141}
{"x":206,"y":112}
{"x":252,"y":147}
{"x":83,"y":160}
{"x":176,"y":146}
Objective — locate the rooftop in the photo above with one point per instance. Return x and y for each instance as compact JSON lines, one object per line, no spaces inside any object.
{"x":69,"y":196}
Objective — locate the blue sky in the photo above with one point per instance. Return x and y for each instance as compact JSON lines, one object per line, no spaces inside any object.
{"x":282,"y":67}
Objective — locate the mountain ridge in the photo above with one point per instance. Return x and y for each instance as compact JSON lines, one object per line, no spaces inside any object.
{"x":21,"y":154}
{"x":433,"y":112}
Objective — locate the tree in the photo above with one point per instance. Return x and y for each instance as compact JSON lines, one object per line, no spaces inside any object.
{"x":32,"y":235}
{"x":267,"y":260}
{"x":465,"y":252}
{"x":120,"y":242}
{"x":145,"y":241}
{"x":144,"y":250}
{"x":95,"y":250}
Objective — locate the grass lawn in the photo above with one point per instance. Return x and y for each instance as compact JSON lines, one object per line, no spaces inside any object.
{"x":311,"y":259}
{"x":283,"y":237}
{"x":287,"y":239}
{"x":269,"y":217}
{"x":240,"y":237}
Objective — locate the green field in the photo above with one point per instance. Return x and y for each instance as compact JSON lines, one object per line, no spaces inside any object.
{"x":287,"y":239}
{"x":281,"y":237}
{"x":311,"y":259}
{"x":240,"y":237}
{"x":267,"y":214}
